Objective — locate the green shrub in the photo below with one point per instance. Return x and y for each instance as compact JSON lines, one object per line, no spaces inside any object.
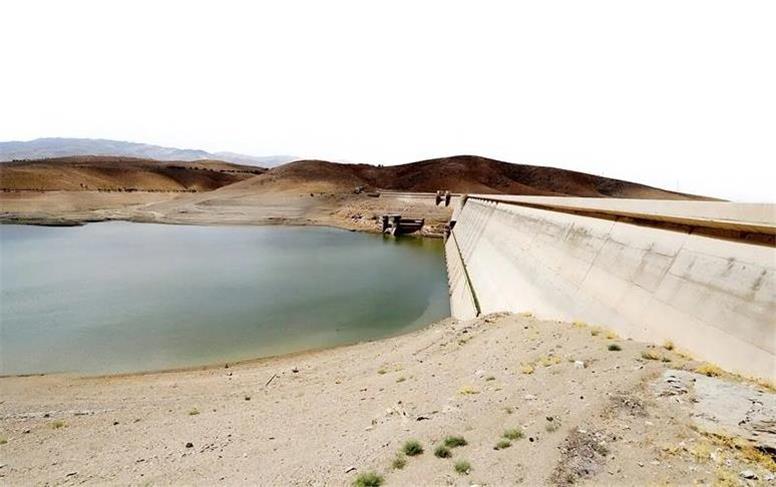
{"x":502,"y":444}
{"x":368,"y":479}
{"x":513,"y":434}
{"x":455,"y":441}
{"x":613,"y":347}
{"x":463,"y":467}
{"x":442,"y":452}
{"x":412,"y":448}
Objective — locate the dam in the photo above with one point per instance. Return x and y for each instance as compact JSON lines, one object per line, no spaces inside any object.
{"x":699,"y":274}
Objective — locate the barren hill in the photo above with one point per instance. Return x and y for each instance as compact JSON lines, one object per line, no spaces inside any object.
{"x":106,"y":173}
{"x":49,"y":147}
{"x":462,"y":174}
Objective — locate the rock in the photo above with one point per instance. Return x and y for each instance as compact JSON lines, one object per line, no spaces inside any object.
{"x":189,"y":445}
{"x":734,"y":408}
{"x":295,"y":370}
{"x":748,"y":474}
{"x":579,"y":364}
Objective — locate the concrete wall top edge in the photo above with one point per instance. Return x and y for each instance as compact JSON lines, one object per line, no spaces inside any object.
{"x":759,"y":217}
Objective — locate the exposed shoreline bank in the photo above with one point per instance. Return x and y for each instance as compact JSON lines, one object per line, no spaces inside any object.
{"x":338,"y":210}
{"x":561,"y":386}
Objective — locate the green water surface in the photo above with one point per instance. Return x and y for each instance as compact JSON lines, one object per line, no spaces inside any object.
{"x":127,"y":297}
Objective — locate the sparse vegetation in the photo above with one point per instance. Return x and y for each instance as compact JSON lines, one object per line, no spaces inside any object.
{"x":467,"y":390}
{"x":668,"y":345}
{"x":651,"y":354}
{"x":57,"y":424}
{"x":368,"y":479}
{"x":382,"y":371}
{"x":709,"y":370}
{"x":552,"y":426}
{"x":412,"y":448}
{"x":193,"y":412}
{"x":3,"y":441}
{"x":490,"y":378}
{"x":613,"y":347}
{"x":610,"y":335}
{"x":455,"y":441}
{"x":513,"y":434}
{"x":401,"y":379}
{"x":509,"y":409}
{"x":548,"y":360}
{"x":595,"y":331}
{"x":399,"y":462}
{"x":726,"y":478}
{"x":527,"y":369}
{"x":462,"y":467}
{"x":502,"y":444}
{"x":579,"y":324}
{"x":442,"y":452}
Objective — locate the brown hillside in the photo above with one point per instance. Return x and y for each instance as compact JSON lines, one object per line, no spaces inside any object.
{"x":461,"y":174}
{"x":120,"y":174}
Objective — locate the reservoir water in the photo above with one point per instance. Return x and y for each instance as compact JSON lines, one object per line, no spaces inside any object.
{"x":129,"y":297}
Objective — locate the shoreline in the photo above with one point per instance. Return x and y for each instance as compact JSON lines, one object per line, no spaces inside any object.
{"x":338,"y":210}
{"x":46,"y":222}
{"x":301,"y":354}
{"x":351,"y":408}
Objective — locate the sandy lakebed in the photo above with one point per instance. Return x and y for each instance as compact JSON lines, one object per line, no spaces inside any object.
{"x":579,"y":404}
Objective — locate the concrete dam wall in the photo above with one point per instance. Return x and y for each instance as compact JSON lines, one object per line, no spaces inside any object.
{"x":700,"y":274}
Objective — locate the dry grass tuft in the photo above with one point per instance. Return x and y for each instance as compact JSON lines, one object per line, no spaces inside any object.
{"x":709,"y":370}
{"x":548,"y":360}
{"x":726,"y":478}
{"x":399,"y":462}
{"x":467,"y":391}
{"x":527,"y":368}
{"x":513,"y":434}
{"x":668,"y":345}
{"x":651,"y":354}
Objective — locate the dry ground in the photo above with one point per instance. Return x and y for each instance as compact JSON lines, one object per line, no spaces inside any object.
{"x":585,"y":414}
{"x":222,"y":207}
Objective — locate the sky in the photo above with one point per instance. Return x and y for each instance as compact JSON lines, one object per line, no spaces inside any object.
{"x":676,"y":94}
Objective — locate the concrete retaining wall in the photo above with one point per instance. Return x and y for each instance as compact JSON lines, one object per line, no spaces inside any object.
{"x":713,"y":297}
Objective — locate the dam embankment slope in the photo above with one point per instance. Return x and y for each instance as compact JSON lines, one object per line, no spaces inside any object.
{"x":698,"y":274}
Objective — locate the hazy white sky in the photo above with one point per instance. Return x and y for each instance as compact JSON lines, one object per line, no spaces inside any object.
{"x":679,"y":94}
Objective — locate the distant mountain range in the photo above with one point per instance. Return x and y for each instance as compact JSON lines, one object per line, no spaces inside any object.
{"x":64,"y":147}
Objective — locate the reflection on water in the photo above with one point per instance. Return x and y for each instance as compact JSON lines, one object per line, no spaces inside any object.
{"x":119,"y":297}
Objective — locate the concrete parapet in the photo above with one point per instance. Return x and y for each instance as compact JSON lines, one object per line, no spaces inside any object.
{"x":586,"y":259}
